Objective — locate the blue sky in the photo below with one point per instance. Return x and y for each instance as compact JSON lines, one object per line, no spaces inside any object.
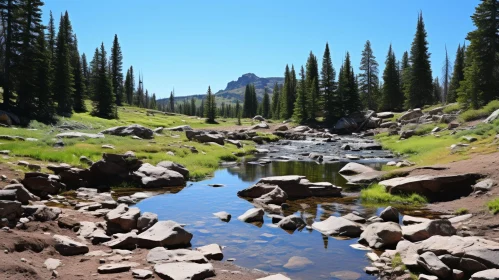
{"x":192,"y":44}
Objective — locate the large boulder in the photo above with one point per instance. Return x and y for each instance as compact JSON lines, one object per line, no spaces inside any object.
{"x":381,"y":235}
{"x":146,"y":220}
{"x":338,"y":226}
{"x":296,"y":186}
{"x":184,"y":271}
{"x":434,"y":265}
{"x":281,"y":127}
{"x":262,"y":125}
{"x":291,"y":222}
{"x":165,"y":234}
{"x":489,"y":274}
{"x":122,"y":218}
{"x":353,"y":168}
{"x":384,"y":115}
{"x":68,"y":247}
{"x":11,"y":210}
{"x":259,"y":118}
{"x":179,"y":128}
{"x":252,"y":215}
{"x":204,"y":137}
{"x":23,"y":195}
{"x":276,"y":196}
{"x":126,"y":241}
{"x":42,"y":213}
{"x":212,"y":252}
{"x":257,"y":190}
{"x":422,"y":231}
{"x":390,"y":214}
{"x":156,"y":176}
{"x":346,"y":124}
{"x":410,"y":115}
{"x":436,"y":187}
{"x":492,"y":117}
{"x":175,"y":167}
{"x":131,"y":130}
{"x":43,"y":184}
{"x":8,"y":195}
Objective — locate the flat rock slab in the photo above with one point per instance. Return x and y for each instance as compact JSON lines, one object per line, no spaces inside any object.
{"x":161,"y":255}
{"x":223,"y":216}
{"x":252,"y":215}
{"x":184,"y":271}
{"x":489,"y":274}
{"x":68,"y":247}
{"x":353,"y":168}
{"x":141,"y":273}
{"x":164,"y":234}
{"x":212,"y":252}
{"x":338,"y":226}
{"x":275,"y":277}
{"x":114,"y":268}
{"x":298,"y":263}
{"x":52,"y":264}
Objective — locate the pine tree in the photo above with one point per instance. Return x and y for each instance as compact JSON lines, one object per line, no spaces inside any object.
{"x":86,"y":75}
{"x":117,"y":70}
{"x":146,"y":99}
{"x":348,"y":87}
{"x":153,"y":103}
{"x":51,"y":37}
{"x":469,"y":92}
{"x":266,"y":104}
{"x":9,"y":10}
{"x":482,"y":55}
{"x":104,"y":99}
{"x":45,"y":111}
{"x":139,"y":102}
{"x":211,"y":109}
{"x":254,"y":101}
{"x":300,"y":109}
{"x":193,"y":106}
{"x":93,"y":75}
{"x":437,"y":89}
{"x":238,"y":112}
{"x":275,"y":110}
{"x":420,"y":81}
{"x":172,"y":101}
{"x":312,"y":79}
{"x":391,"y":93}
{"x":30,"y":28}
{"x":246,"y":102}
{"x":79,"y":85}
{"x":63,"y":78}
{"x":446,"y":78}
{"x":457,"y":74}
{"x":368,"y":78}
{"x":404,"y":73}
{"x":332,"y":102}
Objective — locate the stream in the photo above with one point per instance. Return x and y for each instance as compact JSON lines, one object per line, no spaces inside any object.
{"x":266,"y":246}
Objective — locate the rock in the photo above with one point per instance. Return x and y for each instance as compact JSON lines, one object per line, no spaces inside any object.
{"x":211,"y":252}
{"x":388,"y":124}
{"x":8,"y":195}
{"x":65,"y":222}
{"x":301,"y":128}
{"x":381,"y":235}
{"x":282,"y":127}
{"x":111,"y":147}
{"x":298,"y":263}
{"x":418,"y":232}
{"x":184,"y":271}
{"x":470,"y":138}
{"x":384,"y":115}
{"x":457,"y":274}
{"x":252,"y":215}
{"x":114,"y":268}
{"x":161,"y":255}
{"x":346,"y":124}
{"x":296,"y":187}
{"x":489,"y":274}
{"x":146,"y":220}
{"x":276,"y":196}
{"x":68,"y":247}
{"x":471,"y":265}
{"x":75,"y":134}
{"x":485,"y":185}
{"x":42,"y":185}
{"x":156,"y":176}
{"x":353,"y":168}
{"x":390,"y":214}
{"x":436,"y":111}
{"x":175,"y":167}
{"x":86,"y":228}
{"x":435,"y":129}
{"x":224,"y":216}
{"x":416,"y":113}
{"x":409,"y":220}
{"x":354,"y":218}
{"x":434,"y":265}
{"x":11,"y":210}
{"x":407,"y":134}
{"x":123,"y":241}
{"x":52,"y":264}
{"x":433,"y":187}
{"x":275,"y":277}
{"x":122,"y":218}
{"x":338,"y":226}
{"x":205,"y":138}
{"x":291,"y":223}
{"x":141,"y":273}
{"x":371,"y":270}
{"x":134,"y":129}
{"x":259,"y":118}
{"x":427,"y":277}
{"x":99,"y":236}
{"x":452,"y":125}
{"x":492,"y":117}
{"x":257,"y":190}
{"x":166,"y":234}
{"x":180,"y":128}
{"x":460,"y":218}
{"x":234,"y":142}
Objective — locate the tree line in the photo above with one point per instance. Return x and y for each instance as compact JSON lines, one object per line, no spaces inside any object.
{"x":43,"y":74}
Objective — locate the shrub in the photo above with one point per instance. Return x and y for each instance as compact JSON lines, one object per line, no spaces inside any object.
{"x":485,"y":111}
{"x":451,"y":108}
{"x":493,"y":206}
{"x":377,"y":194}
{"x":461,"y":211}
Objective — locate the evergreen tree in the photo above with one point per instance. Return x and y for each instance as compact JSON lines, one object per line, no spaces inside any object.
{"x":446,"y":73}
{"x":131,"y":94}
{"x":11,"y":30}
{"x":404,"y":73}
{"x":238,"y":112}
{"x":146,"y":99}
{"x":153,"y":104}
{"x":104,"y":99}
{"x":79,"y":85}
{"x":51,"y":37}
{"x":193,"y":106}
{"x":117,"y":70}
{"x":391,"y":93}
{"x":45,"y":111}
{"x":285,"y":92}
{"x":457,"y":74}
{"x":482,"y":56}
{"x":368,"y":77}
{"x":300,"y":109}
{"x":63,"y":79}
{"x":86,"y":75}
{"x":93,"y":75}
{"x":172,"y":101}
{"x":312,"y":79}
{"x":348,"y":87}
{"x":254,"y":101}
{"x":211,"y":109}
{"x":247,"y":102}
{"x":332,"y":102}
{"x":30,"y":28}
{"x":140,"y":94}
{"x":266,"y":104}
{"x":437,"y":89}
{"x":420,"y":88}
{"x":275,"y":110}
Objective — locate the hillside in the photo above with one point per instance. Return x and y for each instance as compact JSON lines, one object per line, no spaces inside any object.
{"x":235,"y":89}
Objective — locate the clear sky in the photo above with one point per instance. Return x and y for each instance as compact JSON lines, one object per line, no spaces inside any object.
{"x":192,"y":44}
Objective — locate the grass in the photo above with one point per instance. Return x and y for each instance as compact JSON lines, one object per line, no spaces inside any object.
{"x":269,"y":137}
{"x":451,"y":108}
{"x":485,"y":111}
{"x":200,"y":164}
{"x":377,"y":194}
{"x":493,"y":206}
{"x":461,"y":211}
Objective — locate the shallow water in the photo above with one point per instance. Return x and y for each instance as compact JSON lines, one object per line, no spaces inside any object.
{"x":264,"y":246}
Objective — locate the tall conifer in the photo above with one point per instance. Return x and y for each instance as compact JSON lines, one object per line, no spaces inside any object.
{"x":117,"y":70}
{"x":368,"y":78}
{"x":332,"y":102}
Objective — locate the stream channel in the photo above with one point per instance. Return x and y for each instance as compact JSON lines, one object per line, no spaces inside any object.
{"x":267,"y":247}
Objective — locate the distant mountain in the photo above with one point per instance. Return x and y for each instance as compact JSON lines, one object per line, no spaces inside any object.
{"x":235,"y":89}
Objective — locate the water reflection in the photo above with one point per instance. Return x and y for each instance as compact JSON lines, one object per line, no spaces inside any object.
{"x":265,"y":246}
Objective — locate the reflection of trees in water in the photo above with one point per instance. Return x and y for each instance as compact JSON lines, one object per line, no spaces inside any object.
{"x":313,"y":171}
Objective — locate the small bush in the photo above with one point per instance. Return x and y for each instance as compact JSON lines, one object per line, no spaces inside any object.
{"x":451,"y":108}
{"x":461,"y":211}
{"x":493,"y":206}
{"x":377,"y":194}
{"x":471,"y":114}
